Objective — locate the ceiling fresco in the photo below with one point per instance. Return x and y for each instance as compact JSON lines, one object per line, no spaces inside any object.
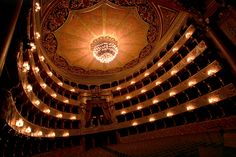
{"x":81,"y":28}
{"x":69,"y":27}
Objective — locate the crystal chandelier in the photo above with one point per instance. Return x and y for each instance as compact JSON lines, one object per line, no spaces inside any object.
{"x":104,"y":49}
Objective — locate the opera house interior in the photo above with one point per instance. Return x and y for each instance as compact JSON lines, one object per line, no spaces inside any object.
{"x":126,"y":78}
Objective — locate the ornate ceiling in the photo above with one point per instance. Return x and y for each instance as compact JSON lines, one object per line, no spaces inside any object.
{"x":83,"y":26}
{"x":69,"y":27}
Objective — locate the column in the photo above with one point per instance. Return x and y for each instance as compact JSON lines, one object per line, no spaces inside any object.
{"x":117,"y":136}
{"x":223,"y":50}
{"x":9,"y":35}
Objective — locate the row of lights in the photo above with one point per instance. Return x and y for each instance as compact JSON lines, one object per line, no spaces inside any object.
{"x":54,"y":95}
{"x":29,"y":88}
{"x":37,"y":102}
{"x":20,"y":124}
{"x":59,"y":115}
{"x":37,"y":36}
{"x":211,"y":100}
{"x":31,"y":44}
{"x":43,"y":85}
{"x":187,"y":35}
{"x":36,"y":69}
{"x":26,"y":67}
{"x":170,"y":114}
{"x":47,"y":110}
{"x":59,"y":82}
{"x":190,"y":83}
{"x":189,"y":59}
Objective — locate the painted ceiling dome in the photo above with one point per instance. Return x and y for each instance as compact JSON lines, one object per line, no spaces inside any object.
{"x":69,"y":29}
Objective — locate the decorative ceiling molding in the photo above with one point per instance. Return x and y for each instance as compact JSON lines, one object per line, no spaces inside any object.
{"x":59,"y":14}
{"x":159,"y":18}
{"x":167,"y":17}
